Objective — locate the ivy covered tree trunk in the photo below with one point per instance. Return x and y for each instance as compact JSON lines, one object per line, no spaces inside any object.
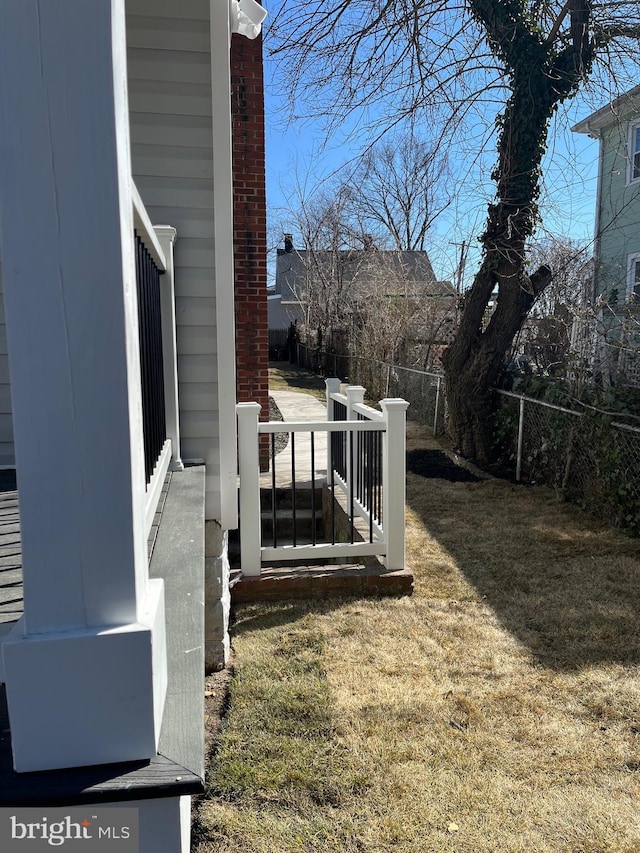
{"x":540,"y":78}
{"x":473,"y":364}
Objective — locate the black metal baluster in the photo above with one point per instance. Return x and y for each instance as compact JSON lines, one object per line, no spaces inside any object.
{"x":370,"y":437}
{"x":153,"y":367}
{"x":380,"y":474}
{"x":359,"y":463}
{"x":351,"y":490}
{"x":151,"y":358}
{"x":333,"y":505}
{"x":293,"y":486}
{"x":376,"y":463}
{"x":313,"y":489}
{"x":273,"y":488}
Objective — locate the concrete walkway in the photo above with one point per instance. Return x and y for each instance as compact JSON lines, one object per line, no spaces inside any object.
{"x":297,"y":406}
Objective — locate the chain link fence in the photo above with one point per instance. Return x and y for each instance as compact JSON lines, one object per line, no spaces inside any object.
{"x":325,"y":363}
{"x":589,"y":458}
{"x":423,"y":391}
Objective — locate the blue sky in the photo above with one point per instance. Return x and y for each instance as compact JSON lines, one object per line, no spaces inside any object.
{"x":568,"y":204}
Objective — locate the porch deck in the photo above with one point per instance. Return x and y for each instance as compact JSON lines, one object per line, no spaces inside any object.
{"x":11,"y":601}
{"x":177,"y":545}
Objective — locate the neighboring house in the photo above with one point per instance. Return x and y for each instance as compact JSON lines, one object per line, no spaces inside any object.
{"x":283,"y":299}
{"x":381,"y":305}
{"x":117,"y":364}
{"x":351,"y":277}
{"x":616,"y":282}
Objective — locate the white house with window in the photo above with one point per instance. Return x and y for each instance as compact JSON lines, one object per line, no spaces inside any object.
{"x":616,"y":283}
{"x":634,"y":152}
{"x":633,"y":277}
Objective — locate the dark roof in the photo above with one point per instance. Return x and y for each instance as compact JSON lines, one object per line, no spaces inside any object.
{"x":403,"y":272}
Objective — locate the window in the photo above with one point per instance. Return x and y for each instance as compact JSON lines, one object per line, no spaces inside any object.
{"x":633,"y":279}
{"x":634,"y":152}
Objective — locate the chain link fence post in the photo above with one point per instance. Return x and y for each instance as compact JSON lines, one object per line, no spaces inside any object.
{"x":520,"y":439}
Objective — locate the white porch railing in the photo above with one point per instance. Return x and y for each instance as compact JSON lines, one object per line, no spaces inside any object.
{"x":364,"y":474}
{"x":156,"y":322}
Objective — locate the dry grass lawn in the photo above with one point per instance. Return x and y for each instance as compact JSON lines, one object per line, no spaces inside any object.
{"x":497,"y":709}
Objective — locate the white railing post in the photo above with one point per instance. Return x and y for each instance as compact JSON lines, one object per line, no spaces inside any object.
{"x":394,"y":481}
{"x":355,"y":394}
{"x":333,"y":387}
{"x":167,"y":237}
{"x":249,"y":464}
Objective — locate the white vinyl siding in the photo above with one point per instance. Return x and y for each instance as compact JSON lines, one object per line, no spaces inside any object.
{"x":634,"y":152}
{"x":171,"y":144}
{"x":172,"y":162}
{"x":633,"y":278}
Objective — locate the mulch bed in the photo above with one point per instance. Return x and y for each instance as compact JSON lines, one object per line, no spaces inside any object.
{"x":436,"y":464}
{"x":282,"y":438}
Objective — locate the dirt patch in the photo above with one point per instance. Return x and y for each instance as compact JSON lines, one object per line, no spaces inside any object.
{"x":216,"y":694}
{"x":436,"y":464}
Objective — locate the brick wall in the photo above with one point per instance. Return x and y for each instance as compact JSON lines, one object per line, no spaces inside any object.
{"x":250,"y":225}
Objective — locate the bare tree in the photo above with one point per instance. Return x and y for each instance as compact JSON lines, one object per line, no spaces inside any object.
{"x":354,"y":228}
{"x":546,"y":334}
{"x":399,"y":317}
{"x":386,"y":303}
{"x":571,"y":331}
{"x":426,"y":59}
{"x":328,"y":261}
{"x":399,"y":189}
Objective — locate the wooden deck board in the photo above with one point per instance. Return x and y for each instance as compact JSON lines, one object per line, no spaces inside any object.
{"x":178,"y":557}
{"x":160,"y":777}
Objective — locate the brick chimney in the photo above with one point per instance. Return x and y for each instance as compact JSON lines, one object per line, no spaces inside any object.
{"x":250,"y":225}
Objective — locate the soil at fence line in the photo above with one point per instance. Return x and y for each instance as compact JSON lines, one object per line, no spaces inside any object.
{"x":436,"y":464}
{"x":281,"y":438}
{"x":504,"y":471}
{"x":216,"y":696}
{"x":216,"y":701}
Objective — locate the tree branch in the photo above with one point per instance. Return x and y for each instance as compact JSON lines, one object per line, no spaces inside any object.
{"x":540,"y":279}
{"x":604,"y":35}
{"x":558,"y":23}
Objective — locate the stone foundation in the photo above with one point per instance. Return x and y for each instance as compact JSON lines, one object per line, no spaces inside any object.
{"x":217,"y":597}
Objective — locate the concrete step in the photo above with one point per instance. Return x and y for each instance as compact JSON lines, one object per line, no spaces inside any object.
{"x":305,"y":520}
{"x":284,"y":498}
